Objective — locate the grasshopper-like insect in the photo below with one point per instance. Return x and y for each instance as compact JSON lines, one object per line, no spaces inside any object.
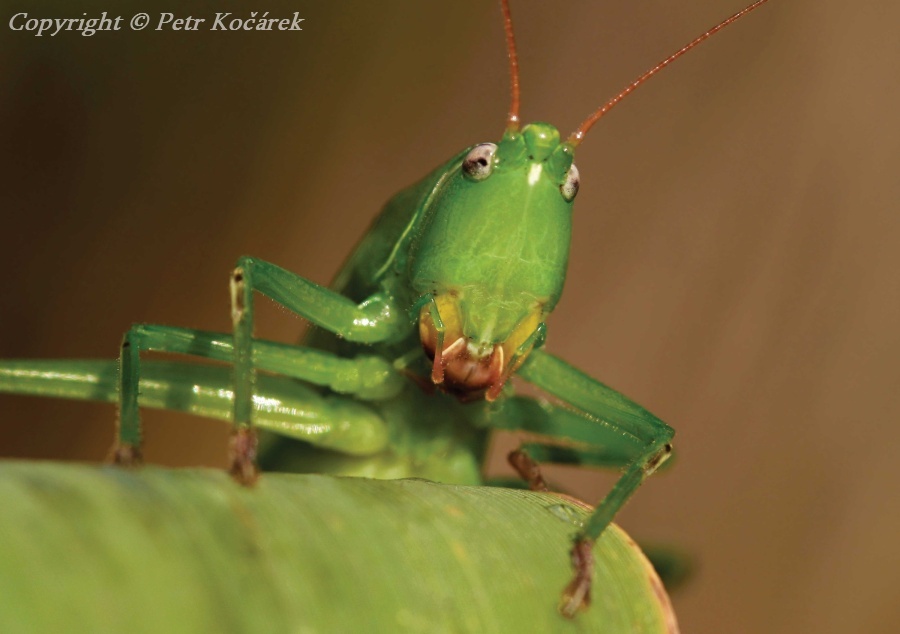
{"x":467,"y":264}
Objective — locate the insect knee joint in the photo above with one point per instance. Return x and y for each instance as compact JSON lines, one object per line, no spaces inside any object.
{"x":657,"y":459}
{"x":237,"y":287}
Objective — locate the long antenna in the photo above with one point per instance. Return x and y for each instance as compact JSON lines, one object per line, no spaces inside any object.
{"x":512,"y":120}
{"x":588,"y":123}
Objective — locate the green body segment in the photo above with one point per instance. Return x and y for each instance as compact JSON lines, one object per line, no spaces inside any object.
{"x":283,"y":406}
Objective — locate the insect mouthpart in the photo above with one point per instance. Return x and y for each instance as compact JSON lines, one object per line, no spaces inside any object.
{"x":464,"y":366}
{"x":464,"y":369}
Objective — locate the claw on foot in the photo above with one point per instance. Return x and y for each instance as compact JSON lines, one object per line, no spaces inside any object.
{"x":242,"y":456}
{"x":528,"y":470}
{"x":577,"y":595}
{"x":126,"y":455}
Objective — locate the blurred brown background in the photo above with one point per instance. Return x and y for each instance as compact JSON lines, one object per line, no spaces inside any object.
{"x":734,"y":268}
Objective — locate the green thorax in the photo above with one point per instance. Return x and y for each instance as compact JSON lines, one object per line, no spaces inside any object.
{"x":501,"y":243}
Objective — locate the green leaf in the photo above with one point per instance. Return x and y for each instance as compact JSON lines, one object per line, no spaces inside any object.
{"x":101,"y":549}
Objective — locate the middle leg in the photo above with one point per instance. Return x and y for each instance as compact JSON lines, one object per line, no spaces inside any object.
{"x":366,"y":377}
{"x":376,"y":319}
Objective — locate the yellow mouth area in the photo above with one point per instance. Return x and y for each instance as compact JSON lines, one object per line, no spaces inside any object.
{"x":464,"y":366}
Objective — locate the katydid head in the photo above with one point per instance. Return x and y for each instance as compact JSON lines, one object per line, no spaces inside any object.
{"x":492,"y":253}
{"x":494,"y":243}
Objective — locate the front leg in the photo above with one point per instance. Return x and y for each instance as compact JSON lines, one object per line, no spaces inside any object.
{"x":376,"y":319}
{"x":614,"y":412}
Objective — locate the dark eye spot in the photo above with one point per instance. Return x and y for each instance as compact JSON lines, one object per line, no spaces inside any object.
{"x":569,"y":187}
{"x":479,"y":162}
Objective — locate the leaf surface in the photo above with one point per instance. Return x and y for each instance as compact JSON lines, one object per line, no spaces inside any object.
{"x":101,"y":549}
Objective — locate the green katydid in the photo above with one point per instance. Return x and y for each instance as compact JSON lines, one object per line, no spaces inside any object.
{"x":467,"y":264}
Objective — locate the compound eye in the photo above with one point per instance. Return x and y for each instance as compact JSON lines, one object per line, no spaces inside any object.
{"x":569,"y":187}
{"x":479,"y":162}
